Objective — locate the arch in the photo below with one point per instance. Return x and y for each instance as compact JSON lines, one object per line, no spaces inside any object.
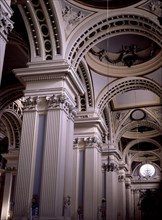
{"x":124,"y":85}
{"x":84,"y":74}
{"x":43,"y":32}
{"x":103,"y":27}
{"x":138,"y":153}
{"x":132,"y":143}
{"x":139,"y":165}
{"x":9,"y":95}
{"x":12,"y":124}
{"x":134,"y":124}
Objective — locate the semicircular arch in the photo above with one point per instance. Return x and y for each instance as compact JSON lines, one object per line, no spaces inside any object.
{"x":124,"y":85}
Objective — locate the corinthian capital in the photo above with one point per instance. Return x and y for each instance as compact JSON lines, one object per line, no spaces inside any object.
{"x":30,"y":103}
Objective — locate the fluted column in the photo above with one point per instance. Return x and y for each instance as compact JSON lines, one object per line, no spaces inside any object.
{"x":53,"y":170}
{"x":100,"y":184}
{"x":90,"y":209}
{"x":136,"y":202}
{"x":122,"y":195}
{"x":6,"y":25}
{"x":25,"y":176}
{"x":129,"y":208}
{"x":112,"y":191}
{"x":69,"y":166}
{"x":78,"y":178}
{"x":6,"y":195}
{"x":10,"y":171}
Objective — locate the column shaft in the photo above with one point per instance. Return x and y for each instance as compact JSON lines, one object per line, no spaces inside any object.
{"x":128,"y":202}
{"x":122,"y":200}
{"x":75,"y":182}
{"x":52,"y":186}
{"x":112,"y":195}
{"x":91,"y":183}
{"x":25,"y":176}
{"x":68,"y":169}
{"x":6,"y":196}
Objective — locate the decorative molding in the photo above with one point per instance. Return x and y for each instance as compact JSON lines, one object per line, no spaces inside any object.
{"x":10,"y":169}
{"x":93,"y":142}
{"x":124,"y":85}
{"x":46,"y":45}
{"x":127,"y":56}
{"x":113,"y":26}
{"x":29,"y":103}
{"x":36,"y":103}
{"x":59,"y":102}
{"x":67,"y":201}
{"x":121,"y":178}
{"x":72,"y":113}
{"x":76,"y":142}
{"x":128,"y":185}
{"x":6,"y":25}
{"x":71,"y":18}
{"x":110,"y":167}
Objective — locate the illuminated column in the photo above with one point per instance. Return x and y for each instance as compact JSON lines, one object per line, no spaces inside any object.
{"x":129,"y":208}
{"x":76,"y":180}
{"x":90,"y":209}
{"x":112,"y":198}
{"x":6,"y":26}
{"x":133,"y":203}
{"x":122,"y":195}
{"x":27,"y":156}
{"x":57,"y":143}
{"x":69,"y":166}
{"x":100,"y":184}
{"x":59,"y":85}
{"x":6,"y":195}
{"x":10,"y":171}
{"x":136,"y":204}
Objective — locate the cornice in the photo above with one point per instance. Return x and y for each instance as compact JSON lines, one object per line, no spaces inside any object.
{"x":92,"y":120}
{"x":41,"y":71}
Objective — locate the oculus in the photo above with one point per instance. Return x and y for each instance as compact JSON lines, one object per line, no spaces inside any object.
{"x":137,"y":115}
{"x":147,"y":170}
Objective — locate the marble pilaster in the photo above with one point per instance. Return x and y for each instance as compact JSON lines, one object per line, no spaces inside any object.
{"x":53,"y":169}
{"x":6,"y":195}
{"x":112,"y":191}
{"x":90,"y":209}
{"x":122,"y":195}
{"x":27,"y":155}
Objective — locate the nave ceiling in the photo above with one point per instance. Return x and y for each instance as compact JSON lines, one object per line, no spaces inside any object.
{"x":115,"y":49}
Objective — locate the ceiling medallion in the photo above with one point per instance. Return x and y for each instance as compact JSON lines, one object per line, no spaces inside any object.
{"x":137,"y":115}
{"x":128,"y":55}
